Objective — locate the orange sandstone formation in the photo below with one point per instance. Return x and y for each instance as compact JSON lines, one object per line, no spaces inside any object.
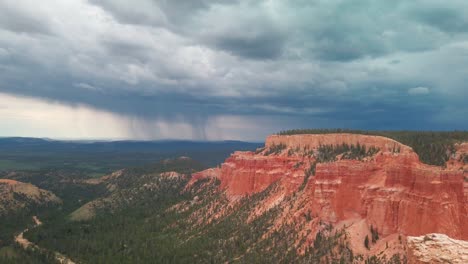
{"x":391,"y":190}
{"x":8,"y":182}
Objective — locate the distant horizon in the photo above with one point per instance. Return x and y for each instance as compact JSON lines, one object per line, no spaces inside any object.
{"x":123,"y":139}
{"x":219,"y":140}
{"x":217,"y":70}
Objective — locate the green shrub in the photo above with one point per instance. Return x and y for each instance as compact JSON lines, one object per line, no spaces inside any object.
{"x":366,"y":242}
{"x":309,"y":172}
{"x":374,"y":234}
{"x":329,"y":153}
{"x":464,"y":158}
{"x":275,"y":149}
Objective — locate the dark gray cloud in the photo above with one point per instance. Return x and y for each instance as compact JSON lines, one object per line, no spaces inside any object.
{"x":159,"y":13}
{"x":362,"y":64}
{"x":445,"y":18}
{"x":264,"y":44}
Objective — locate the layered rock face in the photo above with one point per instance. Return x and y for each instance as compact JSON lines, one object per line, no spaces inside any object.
{"x":391,"y":189}
{"x":396,"y":197}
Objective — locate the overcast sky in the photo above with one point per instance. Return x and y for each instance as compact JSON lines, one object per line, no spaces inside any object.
{"x":225,"y":69}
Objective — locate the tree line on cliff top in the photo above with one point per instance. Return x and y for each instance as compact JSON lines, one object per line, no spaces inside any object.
{"x":433,"y":147}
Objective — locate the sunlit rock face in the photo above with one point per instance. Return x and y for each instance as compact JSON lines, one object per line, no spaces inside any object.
{"x":314,"y":141}
{"x":390,"y":189}
{"x":436,"y":248}
{"x":15,"y":196}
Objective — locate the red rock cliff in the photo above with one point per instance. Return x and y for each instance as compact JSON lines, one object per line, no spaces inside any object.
{"x":392,"y":190}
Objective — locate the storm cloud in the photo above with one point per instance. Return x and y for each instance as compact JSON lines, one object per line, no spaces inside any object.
{"x":255,"y":66}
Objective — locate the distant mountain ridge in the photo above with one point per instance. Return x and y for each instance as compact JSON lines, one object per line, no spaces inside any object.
{"x":32,"y":140}
{"x":31,"y":144}
{"x":40,"y":153}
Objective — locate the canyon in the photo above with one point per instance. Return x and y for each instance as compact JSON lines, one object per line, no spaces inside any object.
{"x":391,"y":191}
{"x":299,"y":198}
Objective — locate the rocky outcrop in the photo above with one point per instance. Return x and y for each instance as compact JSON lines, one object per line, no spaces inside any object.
{"x":436,"y":248}
{"x":314,"y":141}
{"x":15,"y":196}
{"x":247,"y":173}
{"x":391,"y":189}
{"x":459,"y":159}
